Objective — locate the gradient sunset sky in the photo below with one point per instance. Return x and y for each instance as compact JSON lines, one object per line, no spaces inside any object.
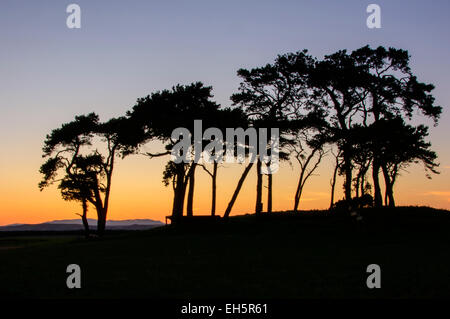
{"x":128,"y":49}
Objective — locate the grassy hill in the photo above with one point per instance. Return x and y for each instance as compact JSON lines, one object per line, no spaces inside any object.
{"x":307,"y":255}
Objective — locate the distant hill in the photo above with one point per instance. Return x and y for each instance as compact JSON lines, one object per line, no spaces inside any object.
{"x":76,"y":224}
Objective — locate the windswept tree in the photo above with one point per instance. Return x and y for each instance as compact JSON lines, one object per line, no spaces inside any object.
{"x":83,"y":153}
{"x":158,"y":115}
{"x":337,"y":81}
{"x":391,"y":89}
{"x":249,"y":152}
{"x":362,"y":158}
{"x":307,"y":144}
{"x":308,"y":151}
{"x":351,"y":91}
{"x":402,"y":145}
{"x":271,"y":96}
{"x":337,"y":156}
{"x":81,"y":183}
{"x":222,"y":119}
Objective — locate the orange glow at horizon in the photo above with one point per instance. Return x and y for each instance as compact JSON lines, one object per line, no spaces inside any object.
{"x":138,"y":192}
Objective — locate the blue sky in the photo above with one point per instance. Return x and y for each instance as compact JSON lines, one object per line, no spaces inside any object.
{"x":127,"y":49}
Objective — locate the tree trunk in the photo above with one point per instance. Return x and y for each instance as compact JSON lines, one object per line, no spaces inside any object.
{"x":177,"y":208}
{"x":101,"y":217}
{"x":298,"y":195}
{"x":107,"y":191}
{"x":84,"y":218}
{"x":376,"y":183}
{"x":363,"y":180}
{"x":258,"y":206}
{"x":269,"y":193}
{"x":101,"y":222}
{"x":348,"y":175}
{"x":237,"y":190}
{"x":333,"y":182}
{"x":389,"y":187}
{"x":357,"y":181}
{"x":179,"y":193}
{"x":298,"y":192}
{"x":190,"y":199}
{"x":214,"y":189}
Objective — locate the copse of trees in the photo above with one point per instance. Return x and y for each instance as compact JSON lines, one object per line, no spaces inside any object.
{"x":356,"y":105}
{"x":354,"y":91}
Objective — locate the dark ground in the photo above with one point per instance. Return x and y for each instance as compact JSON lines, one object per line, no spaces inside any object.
{"x":308,"y":255}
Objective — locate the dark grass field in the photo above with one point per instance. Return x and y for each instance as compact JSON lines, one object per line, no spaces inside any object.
{"x":308,"y":255}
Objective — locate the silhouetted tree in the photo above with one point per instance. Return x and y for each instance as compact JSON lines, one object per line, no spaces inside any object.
{"x":271,"y":95}
{"x":391,"y":90}
{"x":64,"y":148}
{"x":362,"y":158}
{"x":159,"y":114}
{"x":402,"y":145}
{"x":308,"y":152}
{"x":222,"y":119}
{"x":213,"y":176}
{"x":237,"y":189}
{"x":336,"y":81}
{"x":240,"y":117}
{"x":337,"y":165}
{"x":80,"y":185}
